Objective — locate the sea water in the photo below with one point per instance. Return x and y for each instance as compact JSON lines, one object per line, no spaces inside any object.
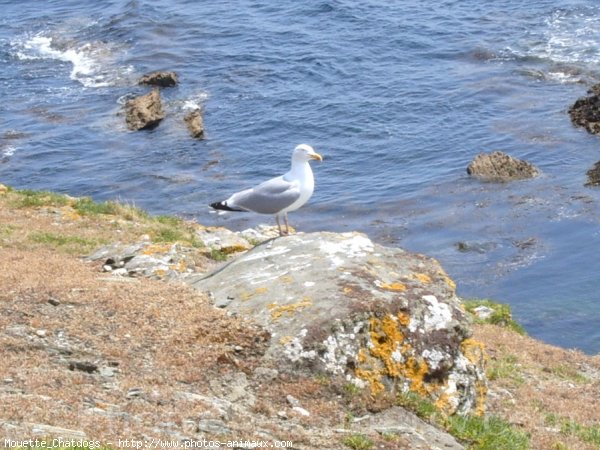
{"x":397,"y":96}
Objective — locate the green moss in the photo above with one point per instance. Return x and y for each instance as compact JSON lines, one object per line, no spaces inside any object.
{"x":27,"y":198}
{"x":218,"y":255}
{"x":358,"y":442}
{"x":501,"y":316}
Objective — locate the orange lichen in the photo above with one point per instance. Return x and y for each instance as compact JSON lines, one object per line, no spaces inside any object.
{"x":286,"y":279}
{"x":422,"y":277}
{"x":386,"y":337}
{"x":180,"y":267}
{"x":278,"y":310}
{"x":373,"y":377}
{"x":416,"y":371}
{"x":396,"y":287}
{"x":68,"y":213}
{"x":403,"y":319}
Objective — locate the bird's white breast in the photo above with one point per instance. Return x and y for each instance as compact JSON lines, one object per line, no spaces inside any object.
{"x":303,"y":174}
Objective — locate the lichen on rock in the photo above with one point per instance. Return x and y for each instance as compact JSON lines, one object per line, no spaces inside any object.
{"x":384,"y":319}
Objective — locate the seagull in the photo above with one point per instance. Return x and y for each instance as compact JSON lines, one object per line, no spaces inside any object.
{"x":278,"y":195}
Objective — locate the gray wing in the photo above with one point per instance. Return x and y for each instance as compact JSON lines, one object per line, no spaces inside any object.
{"x":269,"y":197}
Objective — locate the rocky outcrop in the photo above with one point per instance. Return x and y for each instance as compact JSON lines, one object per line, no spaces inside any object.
{"x":498,"y":166}
{"x":144,"y":112}
{"x":593,"y":175}
{"x":585,"y":112}
{"x":195,"y":124}
{"x":382,"y":319}
{"x":160,"y":79}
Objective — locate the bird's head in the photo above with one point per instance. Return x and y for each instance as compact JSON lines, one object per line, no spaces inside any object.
{"x":305,"y":152}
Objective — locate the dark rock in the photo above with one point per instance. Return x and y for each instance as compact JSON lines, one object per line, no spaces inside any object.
{"x":144,"y":112}
{"x":83,"y":366}
{"x":53,"y":301}
{"x":161,"y":79}
{"x":585,"y":112}
{"x":594,"y":175}
{"x":498,"y":166}
{"x":195,"y":124}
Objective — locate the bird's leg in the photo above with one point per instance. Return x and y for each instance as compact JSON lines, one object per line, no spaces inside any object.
{"x":287,"y":225}
{"x":278,"y":225}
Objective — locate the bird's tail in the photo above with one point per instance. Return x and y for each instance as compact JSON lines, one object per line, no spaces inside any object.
{"x":224,"y":207}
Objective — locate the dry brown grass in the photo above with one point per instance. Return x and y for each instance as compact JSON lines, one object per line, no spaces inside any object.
{"x":543,"y":387}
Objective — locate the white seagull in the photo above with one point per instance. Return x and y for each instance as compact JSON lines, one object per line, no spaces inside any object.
{"x":278,"y":195}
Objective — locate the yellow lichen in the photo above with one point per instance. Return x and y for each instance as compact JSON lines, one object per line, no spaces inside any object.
{"x":278,"y":310}
{"x":403,"y":319}
{"x":416,"y":371}
{"x":152,"y":249}
{"x":68,"y":213}
{"x":396,"y":287}
{"x":180,"y":267}
{"x":286,"y":279}
{"x":373,"y":377}
{"x":422,"y":277}
{"x":284,"y":340}
{"x":348,"y":290}
{"x":474,"y":351}
{"x":386,"y":338}
{"x":244,"y":296}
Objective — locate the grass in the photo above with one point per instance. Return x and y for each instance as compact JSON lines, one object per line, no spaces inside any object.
{"x":478,"y":433}
{"x":569,"y":427}
{"x":507,"y":367}
{"x":358,"y":442}
{"x":489,"y":433}
{"x":569,"y":373}
{"x":502,"y":314}
{"x":28,"y":198}
{"x":73,"y":244}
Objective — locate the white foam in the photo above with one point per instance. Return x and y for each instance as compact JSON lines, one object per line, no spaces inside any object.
{"x":93,"y":63}
{"x":8,"y":151}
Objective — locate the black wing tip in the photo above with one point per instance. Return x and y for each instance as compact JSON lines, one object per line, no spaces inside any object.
{"x":223,"y":206}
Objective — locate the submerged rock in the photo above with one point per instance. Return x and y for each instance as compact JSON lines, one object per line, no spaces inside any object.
{"x":160,"y":79}
{"x":144,"y":112}
{"x":383,"y":319}
{"x":195,"y":124}
{"x":594,"y":175}
{"x":585,"y":112}
{"x":498,"y":166}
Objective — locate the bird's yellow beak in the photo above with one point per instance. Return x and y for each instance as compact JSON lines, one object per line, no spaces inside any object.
{"x":316,"y":156}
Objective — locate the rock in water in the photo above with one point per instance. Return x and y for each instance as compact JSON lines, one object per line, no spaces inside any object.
{"x":594,"y":175}
{"x":144,"y":112}
{"x":585,"y":112}
{"x":160,"y":79}
{"x":195,"y":124}
{"x":498,"y":166}
{"x":381,"y":318}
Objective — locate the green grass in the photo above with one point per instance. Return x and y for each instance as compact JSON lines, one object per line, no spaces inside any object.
{"x":569,"y":373}
{"x":73,"y":244}
{"x":501,"y":316}
{"x":358,"y":442}
{"x":489,"y":433}
{"x":569,"y":427}
{"x":417,"y":404}
{"x":507,"y":367}
{"x":28,"y":198}
{"x":477,"y":433}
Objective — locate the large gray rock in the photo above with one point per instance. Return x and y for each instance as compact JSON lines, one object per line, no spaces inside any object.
{"x":381,"y":318}
{"x":144,"y":112}
{"x":498,"y":166}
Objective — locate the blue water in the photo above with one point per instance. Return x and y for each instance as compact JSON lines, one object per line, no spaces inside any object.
{"x":398,"y":97}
